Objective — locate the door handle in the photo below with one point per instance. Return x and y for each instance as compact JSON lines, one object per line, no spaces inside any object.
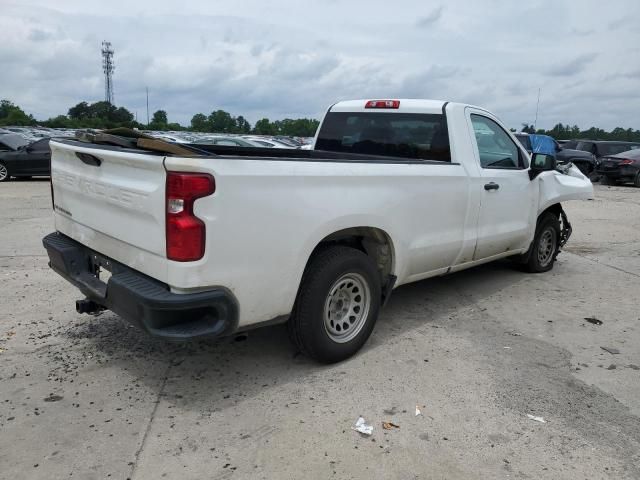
{"x":491,"y":186}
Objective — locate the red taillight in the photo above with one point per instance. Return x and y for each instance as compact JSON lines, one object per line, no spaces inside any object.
{"x":626,"y":161}
{"x":186,"y":232}
{"x":382,"y":104}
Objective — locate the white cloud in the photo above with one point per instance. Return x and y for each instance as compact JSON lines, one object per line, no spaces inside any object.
{"x":294,"y":58}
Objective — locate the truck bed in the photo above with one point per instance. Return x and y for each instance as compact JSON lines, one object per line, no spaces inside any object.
{"x":264,"y":153}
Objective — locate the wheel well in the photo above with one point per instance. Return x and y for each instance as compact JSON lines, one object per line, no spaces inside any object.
{"x":556,"y":209}
{"x":373,"y":241}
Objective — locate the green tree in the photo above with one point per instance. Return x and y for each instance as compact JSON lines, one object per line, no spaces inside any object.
{"x":159,"y":120}
{"x":122,"y":116}
{"x":526,"y":128}
{"x":200,"y":123}
{"x":222,"y":122}
{"x":242,"y":125}
{"x":11,"y":114}
{"x":300,"y":127}
{"x":264,"y":127}
{"x":81,"y":111}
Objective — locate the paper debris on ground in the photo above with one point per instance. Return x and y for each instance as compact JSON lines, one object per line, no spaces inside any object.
{"x":537,"y":419}
{"x":389,"y":425}
{"x":418,"y":412}
{"x":611,"y":350}
{"x":362,"y":427}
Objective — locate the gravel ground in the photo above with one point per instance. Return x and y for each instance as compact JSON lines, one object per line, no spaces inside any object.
{"x":478,"y":351}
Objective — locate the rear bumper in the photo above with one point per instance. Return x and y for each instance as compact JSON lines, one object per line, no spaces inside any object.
{"x":621,"y":173}
{"x":139,"y":299}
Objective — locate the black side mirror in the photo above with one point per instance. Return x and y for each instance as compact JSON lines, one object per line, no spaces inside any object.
{"x":541,"y":162}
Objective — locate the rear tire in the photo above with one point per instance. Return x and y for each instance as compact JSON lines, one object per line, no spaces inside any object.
{"x":337,"y":305}
{"x":636,"y":181}
{"x":544,"y":249}
{"x":4,"y":173}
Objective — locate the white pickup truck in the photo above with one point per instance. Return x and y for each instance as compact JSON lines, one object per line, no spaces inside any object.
{"x":219,"y":240}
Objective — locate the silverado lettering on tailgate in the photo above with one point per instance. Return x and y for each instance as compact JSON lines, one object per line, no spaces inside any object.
{"x":110,"y":193}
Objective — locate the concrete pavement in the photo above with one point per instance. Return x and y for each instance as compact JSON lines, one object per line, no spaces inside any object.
{"x":90,"y":397}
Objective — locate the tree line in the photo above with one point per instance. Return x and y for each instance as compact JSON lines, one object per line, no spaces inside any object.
{"x":105,"y":115}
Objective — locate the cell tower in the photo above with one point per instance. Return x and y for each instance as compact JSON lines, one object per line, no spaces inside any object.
{"x":108,"y":67}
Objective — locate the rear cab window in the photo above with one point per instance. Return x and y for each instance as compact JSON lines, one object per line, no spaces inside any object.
{"x":413,"y":136}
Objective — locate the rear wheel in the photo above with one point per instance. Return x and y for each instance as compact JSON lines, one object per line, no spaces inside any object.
{"x":636,"y":181}
{"x":4,"y":173}
{"x":337,"y":304}
{"x":544,"y":249}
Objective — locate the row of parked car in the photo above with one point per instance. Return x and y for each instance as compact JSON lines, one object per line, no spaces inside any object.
{"x":24,"y":151}
{"x":256,"y":141}
{"x":611,"y":162}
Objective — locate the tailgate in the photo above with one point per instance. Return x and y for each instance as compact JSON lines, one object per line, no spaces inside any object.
{"x":112,"y":201}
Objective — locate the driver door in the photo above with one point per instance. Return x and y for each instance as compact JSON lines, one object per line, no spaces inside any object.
{"x":508,"y":198}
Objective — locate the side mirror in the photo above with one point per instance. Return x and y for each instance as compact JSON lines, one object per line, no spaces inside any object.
{"x":541,"y":162}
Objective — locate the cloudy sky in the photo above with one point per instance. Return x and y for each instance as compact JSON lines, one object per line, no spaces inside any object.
{"x":292,"y":58}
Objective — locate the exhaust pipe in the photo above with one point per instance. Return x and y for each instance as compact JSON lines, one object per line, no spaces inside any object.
{"x":88,"y":306}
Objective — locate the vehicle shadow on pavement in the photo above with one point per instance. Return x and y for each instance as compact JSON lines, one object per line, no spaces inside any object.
{"x":219,"y":373}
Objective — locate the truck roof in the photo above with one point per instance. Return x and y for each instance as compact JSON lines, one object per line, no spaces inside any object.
{"x":407,"y":105}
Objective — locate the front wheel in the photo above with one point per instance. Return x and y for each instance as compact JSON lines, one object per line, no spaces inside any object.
{"x":4,"y":173}
{"x":337,"y":304}
{"x":544,"y":249}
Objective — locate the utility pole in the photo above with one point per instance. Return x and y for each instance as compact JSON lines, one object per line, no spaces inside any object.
{"x":108,"y":66}
{"x":535,"y":124}
{"x":147,"y":106}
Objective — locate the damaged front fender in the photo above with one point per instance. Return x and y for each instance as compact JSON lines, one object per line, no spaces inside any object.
{"x":556,"y":187}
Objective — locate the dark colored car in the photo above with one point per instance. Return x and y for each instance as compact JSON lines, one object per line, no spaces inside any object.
{"x":17,"y":159}
{"x":585,"y":161}
{"x":621,"y":168}
{"x":605,"y":148}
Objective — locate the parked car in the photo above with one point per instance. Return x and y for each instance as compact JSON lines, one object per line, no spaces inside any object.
{"x":10,"y":142}
{"x":268,"y":142}
{"x":605,"y":148}
{"x":585,"y":161}
{"x":19,"y":159}
{"x":623,"y":167}
{"x":226,"y":141}
{"x":396,"y":191}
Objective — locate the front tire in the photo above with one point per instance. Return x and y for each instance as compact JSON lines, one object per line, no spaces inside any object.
{"x":4,"y":173}
{"x":544,"y":249}
{"x":337,"y":305}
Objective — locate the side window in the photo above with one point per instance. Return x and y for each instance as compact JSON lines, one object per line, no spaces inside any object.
{"x":495,"y":147}
{"x":41,"y":145}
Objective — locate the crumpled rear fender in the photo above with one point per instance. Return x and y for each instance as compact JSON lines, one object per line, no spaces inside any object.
{"x":556,"y":187}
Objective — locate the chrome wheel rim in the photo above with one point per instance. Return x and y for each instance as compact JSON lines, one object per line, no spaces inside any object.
{"x":346,"y":307}
{"x":3,"y":172}
{"x":546,"y":247}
